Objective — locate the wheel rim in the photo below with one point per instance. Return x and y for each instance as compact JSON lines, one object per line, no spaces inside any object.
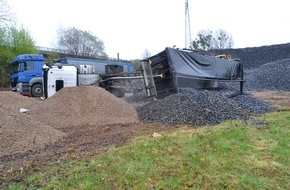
{"x":38,"y":90}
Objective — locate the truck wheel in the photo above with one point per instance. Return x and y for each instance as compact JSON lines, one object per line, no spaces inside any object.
{"x":36,"y":90}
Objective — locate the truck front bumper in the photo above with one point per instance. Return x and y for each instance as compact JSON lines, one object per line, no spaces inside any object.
{"x":22,"y":88}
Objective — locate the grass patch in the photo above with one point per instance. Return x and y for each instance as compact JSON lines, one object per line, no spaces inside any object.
{"x":233,"y":155}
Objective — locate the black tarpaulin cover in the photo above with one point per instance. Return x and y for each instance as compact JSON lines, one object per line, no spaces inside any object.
{"x":191,"y":69}
{"x":195,"y":65}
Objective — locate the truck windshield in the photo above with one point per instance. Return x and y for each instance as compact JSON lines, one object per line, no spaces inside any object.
{"x":24,"y":66}
{"x":15,"y":67}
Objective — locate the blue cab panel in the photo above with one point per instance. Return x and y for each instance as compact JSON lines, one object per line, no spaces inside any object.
{"x":24,"y":67}
{"x":31,"y":57}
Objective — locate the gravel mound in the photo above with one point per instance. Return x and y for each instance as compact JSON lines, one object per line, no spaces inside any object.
{"x":252,"y":105}
{"x":138,"y":98}
{"x":12,"y":100}
{"x":18,"y":131}
{"x":270,"y":76}
{"x":200,"y":107}
{"x":68,"y":108}
{"x":85,"y":105}
{"x":254,"y":57}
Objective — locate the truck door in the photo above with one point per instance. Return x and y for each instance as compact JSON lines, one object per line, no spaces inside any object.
{"x":27,"y":69}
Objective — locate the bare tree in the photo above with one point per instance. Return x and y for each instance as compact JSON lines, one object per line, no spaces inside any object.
{"x":212,"y":39}
{"x":5,"y":15}
{"x":82,"y":43}
{"x":221,"y":40}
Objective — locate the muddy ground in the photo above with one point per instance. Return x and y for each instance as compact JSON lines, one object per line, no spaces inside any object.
{"x":276,"y":98}
{"x":83,"y":141}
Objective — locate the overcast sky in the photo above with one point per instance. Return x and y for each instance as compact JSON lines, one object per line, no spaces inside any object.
{"x":129,"y":27}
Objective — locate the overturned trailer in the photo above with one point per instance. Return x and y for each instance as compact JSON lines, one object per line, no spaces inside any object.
{"x":187,"y":69}
{"x":107,"y":74}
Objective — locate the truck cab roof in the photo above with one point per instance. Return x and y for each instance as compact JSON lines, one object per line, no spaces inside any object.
{"x":31,"y":57}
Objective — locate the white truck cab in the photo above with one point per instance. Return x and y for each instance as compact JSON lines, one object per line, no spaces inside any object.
{"x":58,"y":77}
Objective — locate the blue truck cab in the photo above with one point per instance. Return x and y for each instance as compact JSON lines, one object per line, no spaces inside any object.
{"x":26,"y":74}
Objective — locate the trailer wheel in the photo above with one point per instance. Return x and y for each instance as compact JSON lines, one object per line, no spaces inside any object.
{"x":36,"y":90}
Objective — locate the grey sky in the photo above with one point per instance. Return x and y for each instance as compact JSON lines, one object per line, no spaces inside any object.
{"x":129,"y":27}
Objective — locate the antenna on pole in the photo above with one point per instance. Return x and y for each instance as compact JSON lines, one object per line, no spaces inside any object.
{"x":187,"y":26}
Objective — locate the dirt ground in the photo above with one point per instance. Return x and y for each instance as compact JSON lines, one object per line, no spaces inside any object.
{"x":276,"y":98}
{"x":79,"y":125}
{"x":81,"y":142}
{"x":86,"y":140}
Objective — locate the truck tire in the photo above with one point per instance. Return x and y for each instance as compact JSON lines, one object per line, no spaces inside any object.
{"x":36,"y":90}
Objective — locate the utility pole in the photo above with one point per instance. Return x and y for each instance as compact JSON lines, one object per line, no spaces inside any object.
{"x":187,"y":26}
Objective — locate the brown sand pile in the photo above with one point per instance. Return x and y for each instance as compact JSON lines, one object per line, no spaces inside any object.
{"x":68,"y":109}
{"x":18,"y":131}
{"x":13,"y":100}
{"x":85,"y":105}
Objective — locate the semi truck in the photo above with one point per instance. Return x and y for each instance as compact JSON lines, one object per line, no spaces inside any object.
{"x":26,"y":75}
{"x":167,"y":72}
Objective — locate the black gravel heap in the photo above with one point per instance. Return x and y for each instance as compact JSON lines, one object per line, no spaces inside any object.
{"x":252,"y":105}
{"x":199,"y":107}
{"x":254,"y":57}
{"x":138,"y":98}
{"x":270,"y":76}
